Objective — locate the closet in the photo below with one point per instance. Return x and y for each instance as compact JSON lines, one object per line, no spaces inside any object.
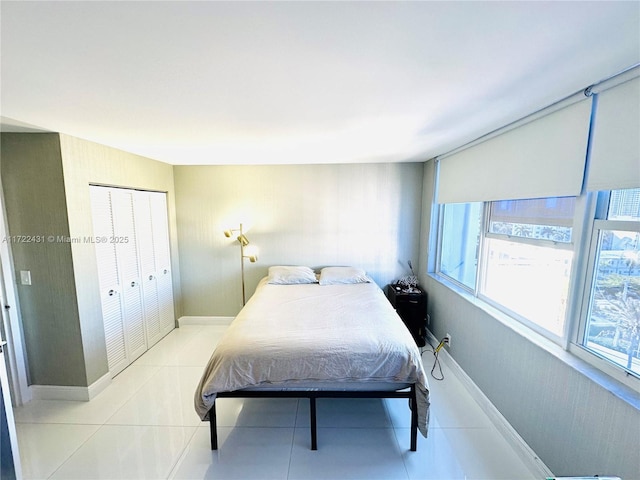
{"x":131,"y":239}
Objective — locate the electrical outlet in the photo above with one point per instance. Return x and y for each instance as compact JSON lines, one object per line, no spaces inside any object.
{"x":25,"y":277}
{"x":447,"y":340}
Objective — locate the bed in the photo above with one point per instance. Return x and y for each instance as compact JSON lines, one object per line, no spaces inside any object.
{"x":313,"y":336}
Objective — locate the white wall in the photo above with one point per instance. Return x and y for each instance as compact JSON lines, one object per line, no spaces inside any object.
{"x":367,"y":215}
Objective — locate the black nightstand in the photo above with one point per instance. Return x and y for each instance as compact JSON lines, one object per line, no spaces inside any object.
{"x":411,"y":306}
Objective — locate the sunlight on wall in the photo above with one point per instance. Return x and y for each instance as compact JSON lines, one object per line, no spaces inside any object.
{"x":366,"y":215}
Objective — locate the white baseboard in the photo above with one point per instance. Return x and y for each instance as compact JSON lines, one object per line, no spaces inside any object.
{"x":75,"y":394}
{"x":99,"y":385}
{"x":205,"y":321}
{"x":524,"y":451}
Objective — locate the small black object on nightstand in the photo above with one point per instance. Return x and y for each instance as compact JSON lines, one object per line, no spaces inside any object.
{"x":411,"y":305}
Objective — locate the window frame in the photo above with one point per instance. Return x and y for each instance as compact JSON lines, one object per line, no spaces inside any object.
{"x":481,"y":267}
{"x":440,"y":235}
{"x":597,"y":223}
{"x":538,"y":242}
{"x":589,"y":219}
{"x":504,"y":309}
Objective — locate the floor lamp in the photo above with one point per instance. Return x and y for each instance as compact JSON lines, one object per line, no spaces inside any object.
{"x":243,"y":241}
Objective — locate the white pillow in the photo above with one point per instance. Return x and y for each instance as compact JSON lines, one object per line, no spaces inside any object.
{"x":342,"y":275}
{"x":291,"y":275}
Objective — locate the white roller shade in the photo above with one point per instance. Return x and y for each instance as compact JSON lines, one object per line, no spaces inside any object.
{"x":615,"y":151}
{"x":542,"y":158}
{"x":538,"y":211}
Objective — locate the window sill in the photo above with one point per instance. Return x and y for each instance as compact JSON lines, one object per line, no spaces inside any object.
{"x":573,"y":358}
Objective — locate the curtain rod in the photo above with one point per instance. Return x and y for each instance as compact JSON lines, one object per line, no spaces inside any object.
{"x":613,"y":80}
{"x":608,"y":82}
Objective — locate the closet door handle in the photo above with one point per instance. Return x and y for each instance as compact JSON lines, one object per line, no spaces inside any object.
{"x":150,"y":277}
{"x":165,"y":271}
{"x":112,"y":292}
{"x":133,"y":284}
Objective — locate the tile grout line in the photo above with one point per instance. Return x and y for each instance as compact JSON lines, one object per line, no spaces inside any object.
{"x":394,"y":432}
{"x":135,"y":391}
{"x":293,"y":437}
{"x":75,"y":451}
{"x":174,"y":470}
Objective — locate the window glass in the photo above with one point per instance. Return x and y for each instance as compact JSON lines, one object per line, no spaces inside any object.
{"x":459,"y":243}
{"x":530,"y":280}
{"x":613,"y":321}
{"x":540,"y":218}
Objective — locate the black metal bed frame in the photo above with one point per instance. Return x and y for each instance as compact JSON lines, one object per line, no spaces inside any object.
{"x":312,"y":396}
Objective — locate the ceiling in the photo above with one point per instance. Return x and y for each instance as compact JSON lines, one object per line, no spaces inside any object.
{"x":299,"y":82}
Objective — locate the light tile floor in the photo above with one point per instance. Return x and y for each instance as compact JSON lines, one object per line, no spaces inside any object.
{"x":144,"y":426}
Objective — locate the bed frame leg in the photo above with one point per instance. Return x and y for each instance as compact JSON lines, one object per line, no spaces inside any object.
{"x":414,"y":419}
{"x":213,"y":427}
{"x":312,"y":419}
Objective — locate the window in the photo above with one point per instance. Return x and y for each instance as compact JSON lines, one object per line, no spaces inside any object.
{"x":527,"y":264}
{"x":566,"y":261}
{"x":530,"y":281}
{"x":460,"y":239}
{"x":612,"y":329}
{"x":526,"y":260}
{"x":518,"y":256}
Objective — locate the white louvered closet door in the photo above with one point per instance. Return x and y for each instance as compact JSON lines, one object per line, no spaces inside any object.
{"x":147,"y":254}
{"x":134,"y":271}
{"x":160,"y":225}
{"x":108,"y":277}
{"x":125,"y":241}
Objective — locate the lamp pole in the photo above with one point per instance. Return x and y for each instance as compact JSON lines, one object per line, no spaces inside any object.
{"x":243,"y":241}
{"x":240,"y":239}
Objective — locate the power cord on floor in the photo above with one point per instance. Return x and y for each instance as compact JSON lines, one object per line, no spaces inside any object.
{"x":436,"y":360}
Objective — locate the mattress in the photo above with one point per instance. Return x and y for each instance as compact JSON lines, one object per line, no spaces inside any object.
{"x":311,"y":336}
